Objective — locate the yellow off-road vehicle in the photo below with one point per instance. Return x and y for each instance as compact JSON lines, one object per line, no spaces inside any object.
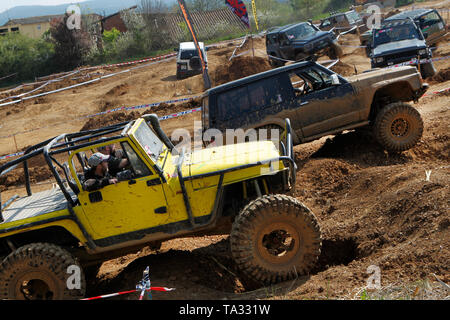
{"x":46,"y":236}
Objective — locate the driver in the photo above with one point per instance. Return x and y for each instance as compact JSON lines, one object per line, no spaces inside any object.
{"x":98,"y":175}
{"x":116,"y":158}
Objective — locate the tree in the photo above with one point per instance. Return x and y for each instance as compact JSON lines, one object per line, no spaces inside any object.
{"x":205,"y":5}
{"x":303,"y":7}
{"x":26,"y":57}
{"x":70,"y":45}
{"x":153,"y":13}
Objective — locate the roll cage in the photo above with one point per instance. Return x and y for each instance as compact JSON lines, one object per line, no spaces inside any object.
{"x":96,"y":137}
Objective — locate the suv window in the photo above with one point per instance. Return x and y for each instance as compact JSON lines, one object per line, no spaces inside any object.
{"x":272,"y":39}
{"x":340,"y":18}
{"x":265,"y":93}
{"x":232,"y":103}
{"x":430,"y":21}
{"x":255,"y":96}
{"x":188,"y":54}
{"x":309,"y":80}
{"x":352,"y":17}
{"x":300,"y":32}
{"x":137,"y":165}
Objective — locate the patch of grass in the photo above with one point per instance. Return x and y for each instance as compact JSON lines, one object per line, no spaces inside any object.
{"x":423,"y":289}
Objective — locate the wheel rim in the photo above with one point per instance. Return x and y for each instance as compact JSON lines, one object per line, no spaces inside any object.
{"x":35,"y":286}
{"x":400,"y":128}
{"x":278,"y":243}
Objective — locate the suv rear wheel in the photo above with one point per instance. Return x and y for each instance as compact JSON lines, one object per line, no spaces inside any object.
{"x":275,"y":238}
{"x":39,"y":271}
{"x":398,"y":127}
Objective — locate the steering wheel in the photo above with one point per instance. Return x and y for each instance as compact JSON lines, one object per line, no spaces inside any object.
{"x":306,"y":89}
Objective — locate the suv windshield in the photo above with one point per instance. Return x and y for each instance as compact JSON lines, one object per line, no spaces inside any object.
{"x":152,"y":145}
{"x":352,"y":17}
{"x":395,"y":33}
{"x":300,"y":32}
{"x":187,"y":54}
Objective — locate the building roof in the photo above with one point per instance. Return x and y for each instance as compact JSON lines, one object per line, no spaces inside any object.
{"x":32,"y":20}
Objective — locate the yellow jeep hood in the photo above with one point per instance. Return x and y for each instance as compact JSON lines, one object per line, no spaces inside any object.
{"x":229,"y":156}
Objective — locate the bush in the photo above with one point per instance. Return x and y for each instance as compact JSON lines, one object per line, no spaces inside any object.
{"x":27,"y":57}
{"x":71,"y":46}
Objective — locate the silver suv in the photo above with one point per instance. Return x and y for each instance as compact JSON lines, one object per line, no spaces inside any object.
{"x":188,"y":61}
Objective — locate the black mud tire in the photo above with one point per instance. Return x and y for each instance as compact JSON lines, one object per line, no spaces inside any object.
{"x":398,"y":127}
{"x":39,"y":271}
{"x":258,"y":235}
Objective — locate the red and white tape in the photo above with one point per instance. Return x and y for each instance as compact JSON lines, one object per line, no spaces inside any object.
{"x":161,"y":289}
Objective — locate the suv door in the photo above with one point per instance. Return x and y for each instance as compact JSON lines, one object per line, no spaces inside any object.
{"x":434,"y":26}
{"x":285,"y":48}
{"x":321,"y":105}
{"x":132,"y":206}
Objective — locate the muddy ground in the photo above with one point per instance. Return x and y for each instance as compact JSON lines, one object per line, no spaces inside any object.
{"x":374,"y":208}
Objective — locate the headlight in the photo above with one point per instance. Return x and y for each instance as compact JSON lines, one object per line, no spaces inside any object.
{"x":379,"y":60}
{"x":423,"y":52}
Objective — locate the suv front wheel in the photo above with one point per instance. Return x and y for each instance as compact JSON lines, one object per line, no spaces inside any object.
{"x":41,"y":271}
{"x":275,"y":238}
{"x":398,"y":127}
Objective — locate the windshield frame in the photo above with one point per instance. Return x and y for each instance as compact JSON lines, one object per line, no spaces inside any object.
{"x":154,"y":155}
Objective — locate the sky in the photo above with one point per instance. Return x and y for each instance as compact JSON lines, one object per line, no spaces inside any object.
{"x":7,"y":4}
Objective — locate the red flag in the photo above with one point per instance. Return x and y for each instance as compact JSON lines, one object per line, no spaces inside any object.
{"x":239,"y":8}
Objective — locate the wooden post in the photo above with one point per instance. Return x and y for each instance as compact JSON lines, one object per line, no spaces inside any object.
{"x":253,"y":47}
{"x":15,"y":143}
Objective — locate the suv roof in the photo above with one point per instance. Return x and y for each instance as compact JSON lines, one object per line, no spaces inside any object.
{"x":256,"y":77}
{"x":397,"y":22}
{"x":190,"y":45}
{"x":409,"y":14}
{"x":285,"y":28}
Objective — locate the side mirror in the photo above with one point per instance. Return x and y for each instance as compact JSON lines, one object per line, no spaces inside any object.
{"x":335,"y":80}
{"x":425,"y":34}
{"x":176,"y":49}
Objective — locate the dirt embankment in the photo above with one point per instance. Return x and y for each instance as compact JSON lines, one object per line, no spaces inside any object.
{"x":441,"y":76}
{"x":240,"y":67}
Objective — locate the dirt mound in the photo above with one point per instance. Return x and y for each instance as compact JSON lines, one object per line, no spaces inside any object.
{"x":239,"y":67}
{"x":343,"y":69}
{"x":164,"y":109}
{"x":442,"y":76}
{"x":119,"y":90}
{"x":109,"y":119}
{"x":17,"y":177}
{"x":208,"y":267}
{"x":118,"y":117}
{"x":391,"y":13}
{"x":359,"y":148}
